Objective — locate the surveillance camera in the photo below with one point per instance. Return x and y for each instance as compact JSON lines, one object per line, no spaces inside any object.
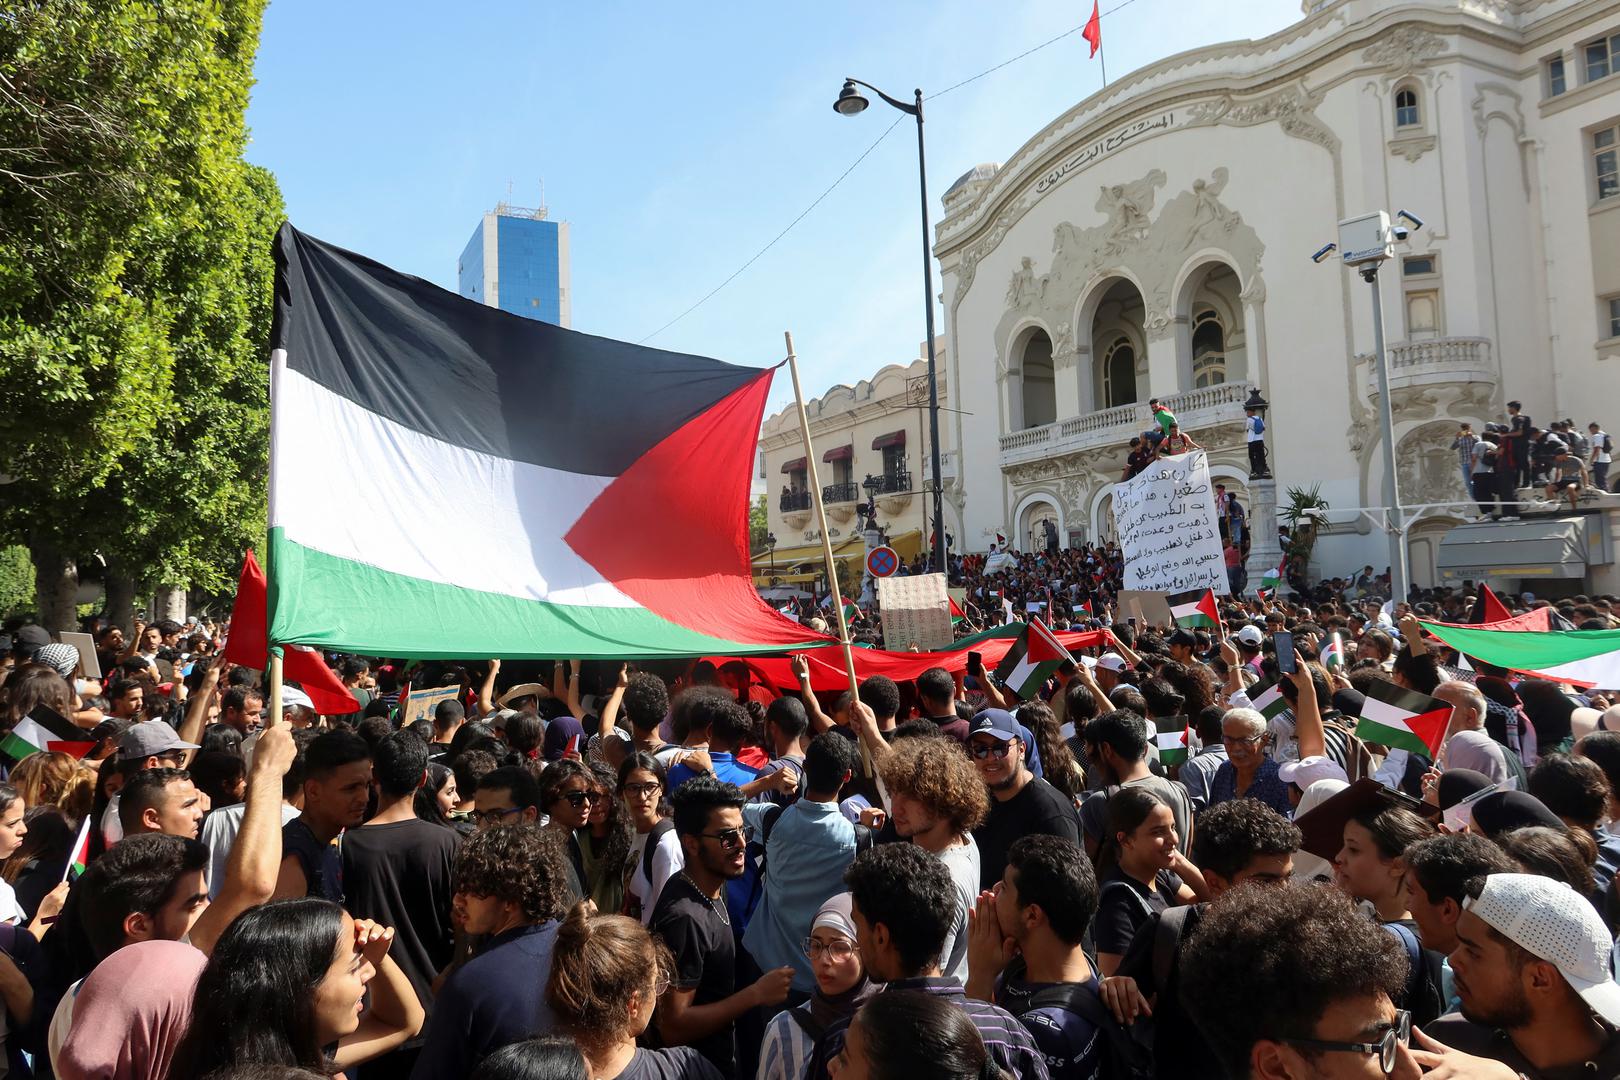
{"x":1325,"y":251}
{"x":1400,"y":232}
{"x":1315,"y":513}
{"x":1417,"y":222}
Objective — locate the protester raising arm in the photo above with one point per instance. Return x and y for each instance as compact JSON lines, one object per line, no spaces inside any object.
{"x":255,"y":860}
{"x":394,"y":1015}
{"x":819,"y":721}
{"x":486,"y":692}
{"x":610,"y":709}
{"x":575,"y":708}
{"x":993,"y":696}
{"x":191,"y":728}
{"x":1307,"y":714}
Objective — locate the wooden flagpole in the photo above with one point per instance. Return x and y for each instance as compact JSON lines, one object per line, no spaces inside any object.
{"x":826,"y":541}
{"x":273,"y":709}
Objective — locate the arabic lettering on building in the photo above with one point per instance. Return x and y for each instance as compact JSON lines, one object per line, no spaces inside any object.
{"x":1101,"y":148}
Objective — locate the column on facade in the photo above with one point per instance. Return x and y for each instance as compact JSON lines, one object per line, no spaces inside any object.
{"x":1164,"y":371}
{"x":1257,"y":368}
{"x":1069,"y":377}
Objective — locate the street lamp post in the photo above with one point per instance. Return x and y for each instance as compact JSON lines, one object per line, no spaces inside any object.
{"x":770,"y":545}
{"x":850,"y":102}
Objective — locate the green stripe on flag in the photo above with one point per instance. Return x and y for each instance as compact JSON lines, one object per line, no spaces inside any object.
{"x":342,"y":604}
{"x":1589,"y":657}
{"x":16,"y":748}
{"x":1267,"y":699}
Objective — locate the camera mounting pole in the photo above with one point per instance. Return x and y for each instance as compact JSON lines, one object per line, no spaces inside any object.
{"x":1365,"y":243}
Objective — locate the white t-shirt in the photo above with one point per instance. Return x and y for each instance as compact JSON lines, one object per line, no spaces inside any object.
{"x":963,"y":863}
{"x":111,"y":827}
{"x":1600,"y":456}
{"x":667,"y":860}
{"x":219,"y":831}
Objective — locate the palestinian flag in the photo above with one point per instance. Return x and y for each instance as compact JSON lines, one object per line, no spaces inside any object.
{"x":1333,"y":653}
{"x":1033,"y":658}
{"x":1488,"y":608}
{"x":1267,"y":699}
{"x":79,"y":858}
{"x":850,"y":611}
{"x":597,"y":488}
{"x":1172,"y":739}
{"x":1396,"y":717}
{"x":1581,"y":657}
{"x":1084,"y":606}
{"x":1195,"y":609}
{"x":44,"y":729}
{"x":957,"y":614}
{"x":1272,"y":578}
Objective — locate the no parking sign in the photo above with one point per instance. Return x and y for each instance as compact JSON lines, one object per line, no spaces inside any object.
{"x":882,"y":561}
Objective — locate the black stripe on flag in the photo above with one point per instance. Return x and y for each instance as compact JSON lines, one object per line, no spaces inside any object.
{"x":1411,"y":702}
{"x":478,"y":377}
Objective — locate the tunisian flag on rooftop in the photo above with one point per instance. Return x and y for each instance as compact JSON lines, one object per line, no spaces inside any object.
{"x":449,"y":480}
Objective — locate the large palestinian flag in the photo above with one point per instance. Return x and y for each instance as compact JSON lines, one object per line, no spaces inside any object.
{"x":1394,"y":716}
{"x":1033,"y":659}
{"x":450,"y":480}
{"x":1582,"y":657}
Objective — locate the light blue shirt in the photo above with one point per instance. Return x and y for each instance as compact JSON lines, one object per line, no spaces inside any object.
{"x":810,"y":847}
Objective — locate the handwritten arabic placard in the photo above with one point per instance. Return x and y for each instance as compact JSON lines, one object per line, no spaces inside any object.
{"x":1165,"y":518}
{"x":916,"y":611}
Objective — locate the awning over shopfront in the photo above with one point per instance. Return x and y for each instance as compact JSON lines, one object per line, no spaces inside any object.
{"x":1549,"y":547}
{"x":796,"y":465}
{"x":789,"y":562}
{"x":839,"y":453}
{"x":893,"y":438}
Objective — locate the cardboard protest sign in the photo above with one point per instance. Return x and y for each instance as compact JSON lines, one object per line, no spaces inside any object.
{"x":1165,"y":519}
{"x":916,"y":611}
{"x":419,"y":704}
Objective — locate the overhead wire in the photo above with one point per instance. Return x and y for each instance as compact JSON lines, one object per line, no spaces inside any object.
{"x":864,"y":155}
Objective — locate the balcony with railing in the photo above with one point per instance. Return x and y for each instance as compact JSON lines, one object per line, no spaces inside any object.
{"x":1435,"y":361}
{"x":846,"y":492}
{"x":1194,"y":409}
{"x":889,"y":483}
{"x":795,"y":500}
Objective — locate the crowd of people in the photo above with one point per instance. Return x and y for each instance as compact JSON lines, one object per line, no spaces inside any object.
{"x":666,"y":870}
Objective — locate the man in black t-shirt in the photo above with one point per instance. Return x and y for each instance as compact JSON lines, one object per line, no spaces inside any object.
{"x":398,"y":871}
{"x":1021,"y":804}
{"x":702,"y":1005}
{"x":337,"y":787}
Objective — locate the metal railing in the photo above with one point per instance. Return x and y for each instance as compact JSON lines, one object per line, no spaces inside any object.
{"x":795,"y":500}
{"x":891,"y":483}
{"x":841,"y":493}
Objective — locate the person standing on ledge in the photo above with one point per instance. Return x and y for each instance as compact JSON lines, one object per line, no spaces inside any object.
{"x":1255,"y":432}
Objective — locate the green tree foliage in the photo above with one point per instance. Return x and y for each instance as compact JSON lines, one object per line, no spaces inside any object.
{"x":135,"y":285}
{"x":758,"y":524}
{"x":16,"y":582}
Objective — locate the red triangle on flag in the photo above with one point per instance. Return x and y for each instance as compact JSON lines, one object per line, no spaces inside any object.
{"x":1043,"y":645}
{"x":249,"y":646}
{"x":1488,"y":608}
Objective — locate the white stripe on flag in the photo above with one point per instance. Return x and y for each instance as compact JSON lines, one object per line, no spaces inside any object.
{"x":408,"y":503}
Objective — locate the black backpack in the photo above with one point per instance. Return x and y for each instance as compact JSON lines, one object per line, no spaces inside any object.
{"x":1124,"y":1058}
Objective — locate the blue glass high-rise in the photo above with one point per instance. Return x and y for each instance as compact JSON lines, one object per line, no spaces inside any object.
{"x":517,"y":260}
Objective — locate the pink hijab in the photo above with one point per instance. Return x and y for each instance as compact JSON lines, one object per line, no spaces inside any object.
{"x":131,"y":1013}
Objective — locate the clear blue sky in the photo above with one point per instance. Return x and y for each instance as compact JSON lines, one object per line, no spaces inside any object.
{"x":677,"y":140}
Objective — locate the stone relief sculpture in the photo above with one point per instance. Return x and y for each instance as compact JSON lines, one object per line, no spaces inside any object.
{"x":1127,"y":207}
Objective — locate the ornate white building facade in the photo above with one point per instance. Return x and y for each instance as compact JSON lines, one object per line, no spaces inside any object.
{"x":1155,"y":240}
{"x":870,"y":441}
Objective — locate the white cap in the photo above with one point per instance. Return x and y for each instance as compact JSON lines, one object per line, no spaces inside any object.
{"x":1251,"y":636}
{"x":1550,"y":920}
{"x":1307,"y":771}
{"x":1111,"y":661}
{"x":291,"y":695}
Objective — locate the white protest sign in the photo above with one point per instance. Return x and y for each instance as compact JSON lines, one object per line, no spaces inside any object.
{"x":1165,"y":518}
{"x":916,"y":611}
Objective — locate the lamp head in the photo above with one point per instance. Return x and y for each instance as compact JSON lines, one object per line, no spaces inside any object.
{"x":850,"y":100}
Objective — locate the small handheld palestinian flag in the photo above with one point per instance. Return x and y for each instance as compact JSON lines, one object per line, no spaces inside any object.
{"x":79,"y":858}
{"x":957,"y":614}
{"x":1033,"y":658}
{"x":1196,"y":608}
{"x":1399,"y":718}
{"x":1333,"y":653}
{"x":1171,"y":739}
{"x":44,"y":729}
{"x":1085,"y":606}
{"x":1266,"y":698}
{"x":1271,"y":578}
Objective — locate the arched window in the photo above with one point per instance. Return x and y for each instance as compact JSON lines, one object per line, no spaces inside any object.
{"x":1119,"y":374}
{"x":1039,"y":388}
{"x":1208,"y":349}
{"x":1406,"y":108}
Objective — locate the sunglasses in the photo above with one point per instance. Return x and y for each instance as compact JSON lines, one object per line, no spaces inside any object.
{"x":981,"y":751}
{"x":732,"y":838}
{"x":576,"y":799}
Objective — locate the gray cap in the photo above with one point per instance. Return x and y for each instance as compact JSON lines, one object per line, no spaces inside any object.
{"x":150,"y":739}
